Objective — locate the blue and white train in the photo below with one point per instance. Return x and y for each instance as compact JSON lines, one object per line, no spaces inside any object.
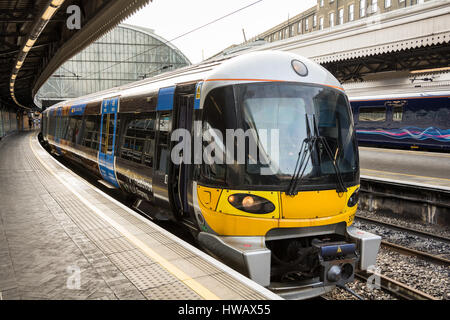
{"x":418,"y":120}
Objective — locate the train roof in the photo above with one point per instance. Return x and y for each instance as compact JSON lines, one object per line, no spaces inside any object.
{"x":399,"y":86}
{"x":265,"y":66}
{"x":389,"y":96}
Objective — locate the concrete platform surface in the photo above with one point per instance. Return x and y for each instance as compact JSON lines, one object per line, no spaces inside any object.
{"x":430,"y":169}
{"x":61,"y":238}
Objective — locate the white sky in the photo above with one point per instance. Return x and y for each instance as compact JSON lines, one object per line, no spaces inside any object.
{"x":172,"y":18}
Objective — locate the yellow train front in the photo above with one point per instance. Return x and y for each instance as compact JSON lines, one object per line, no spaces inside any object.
{"x":277,"y":190}
{"x":256,"y":155}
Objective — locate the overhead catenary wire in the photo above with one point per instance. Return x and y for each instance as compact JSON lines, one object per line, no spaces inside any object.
{"x":176,"y":38}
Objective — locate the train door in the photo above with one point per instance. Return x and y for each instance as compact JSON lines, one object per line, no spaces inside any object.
{"x":160,"y":181}
{"x":181,"y":172}
{"x":108,"y":127}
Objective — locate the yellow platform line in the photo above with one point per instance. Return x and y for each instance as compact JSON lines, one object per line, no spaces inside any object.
{"x":403,"y":174}
{"x":183,"y":277}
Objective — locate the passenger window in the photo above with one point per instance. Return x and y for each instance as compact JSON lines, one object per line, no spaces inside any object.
{"x":74,"y":129}
{"x":139,"y":140}
{"x":372,"y":114}
{"x":108,"y":133}
{"x":397,"y":113}
{"x":163,"y":141}
{"x":52,"y":126}
{"x":397,"y":109}
{"x":443,"y":117}
{"x":91,"y":132}
{"x":425,"y":115}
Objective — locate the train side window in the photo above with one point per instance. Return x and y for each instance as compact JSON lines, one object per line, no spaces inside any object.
{"x":59,"y":126}
{"x":163,"y":141}
{"x":51,"y":126}
{"x":91,"y":132}
{"x":397,"y":113}
{"x":372,"y":114}
{"x":108,"y":133}
{"x":130,"y":150}
{"x":443,"y":117}
{"x":139,"y":140}
{"x":425,"y":115}
{"x":73,"y":130}
{"x":66,"y":121}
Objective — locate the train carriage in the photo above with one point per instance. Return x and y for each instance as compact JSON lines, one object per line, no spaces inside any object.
{"x":410,"y":120}
{"x":255,"y":154}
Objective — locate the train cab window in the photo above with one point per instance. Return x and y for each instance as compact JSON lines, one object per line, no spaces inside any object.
{"x":397,"y":113}
{"x":372,"y":114}
{"x":218,"y":115}
{"x":139,"y":140}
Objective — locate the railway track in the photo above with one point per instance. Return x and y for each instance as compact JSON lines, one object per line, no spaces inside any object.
{"x":398,"y":289}
{"x":433,"y":258}
{"x":403,"y":228}
{"x":422,"y":255}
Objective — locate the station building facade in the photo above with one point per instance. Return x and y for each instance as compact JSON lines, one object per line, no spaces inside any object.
{"x":126,"y":54}
{"x":329,"y":13}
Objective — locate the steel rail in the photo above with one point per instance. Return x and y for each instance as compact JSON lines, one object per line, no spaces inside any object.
{"x":395,"y":287}
{"x":402,"y":228}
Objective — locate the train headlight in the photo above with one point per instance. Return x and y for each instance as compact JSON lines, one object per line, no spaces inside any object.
{"x":353,"y":199}
{"x":299,"y":68}
{"x":251,"y":203}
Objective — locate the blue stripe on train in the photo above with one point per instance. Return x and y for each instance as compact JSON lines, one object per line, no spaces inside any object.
{"x":165,"y":98}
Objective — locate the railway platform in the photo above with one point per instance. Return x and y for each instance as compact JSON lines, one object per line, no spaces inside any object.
{"x":62,"y":238}
{"x":415,"y":168}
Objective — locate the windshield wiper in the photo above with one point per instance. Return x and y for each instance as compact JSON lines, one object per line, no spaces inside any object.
{"x":304,"y":156}
{"x":340,"y":185}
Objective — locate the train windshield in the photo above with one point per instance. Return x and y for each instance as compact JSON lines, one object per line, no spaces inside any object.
{"x":276,"y":120}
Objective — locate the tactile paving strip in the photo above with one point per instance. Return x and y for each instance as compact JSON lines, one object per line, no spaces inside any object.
{"x":149,"y":276}
{"x":103,"y":234}
{"x":158,"y":236}
{"x":174,"y":291}
{"x":180,"y":250}
{"x":236,"y":286}
{"x":205,"y":266}
{"x":146,"y":228}
{"x":114,"y":245}
{"x":131,"y":219}
{"x":130,"y":259}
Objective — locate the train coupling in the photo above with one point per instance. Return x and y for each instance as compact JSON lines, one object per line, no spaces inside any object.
{"x":337,"y":261}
